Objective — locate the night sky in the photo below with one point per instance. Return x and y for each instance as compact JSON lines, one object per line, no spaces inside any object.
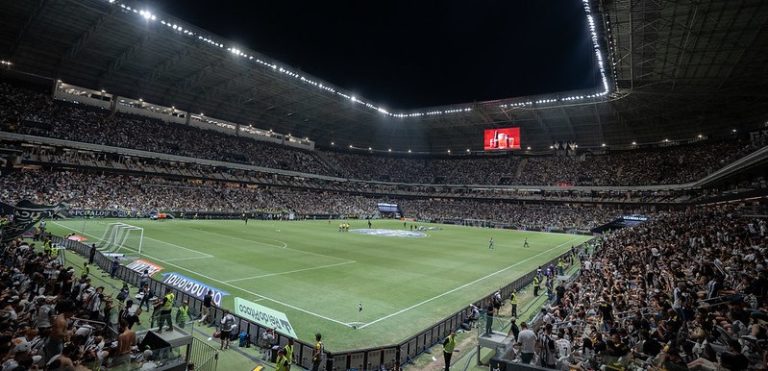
{"x":412,"y":54}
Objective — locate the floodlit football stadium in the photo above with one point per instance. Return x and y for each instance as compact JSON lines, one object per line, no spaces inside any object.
{"x":523,"y":185}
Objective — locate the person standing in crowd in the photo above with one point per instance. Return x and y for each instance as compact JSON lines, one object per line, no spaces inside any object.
{"x":548,"y":348}
{"x":489,"y":318}
{"x":527,"y":341}
{"x":114,"y":267}
{"x":513,"y":303}
{"x":514,"y":330}
{"x":146,"y":296}
{"x":182,"y":314}
{"x":289,"y":352}
{"x":92,"y":254}
{"x":144,"y":279}
{"x":317,"y":352}
{"x":207,"y":303}
{"x":449,"y":346}
{"x":282,"y":363}
{"x":165,"y":306}
{"x":227,"y":323}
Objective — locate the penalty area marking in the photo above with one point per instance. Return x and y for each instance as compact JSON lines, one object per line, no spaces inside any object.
{"x":293,"y":271}
{"x":233,"y":286}
{"x":464,"y":285}
{"x":192,"y":258}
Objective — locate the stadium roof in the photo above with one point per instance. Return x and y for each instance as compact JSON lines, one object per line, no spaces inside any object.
{"x":674,"y":69}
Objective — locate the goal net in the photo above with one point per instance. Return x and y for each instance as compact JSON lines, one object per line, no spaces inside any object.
{"x":119,"y":238}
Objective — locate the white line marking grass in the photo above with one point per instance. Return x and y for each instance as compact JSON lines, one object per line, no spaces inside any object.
{"x":230,"y":285}
{"x":293,"y":271}
{"x":463,"y":286}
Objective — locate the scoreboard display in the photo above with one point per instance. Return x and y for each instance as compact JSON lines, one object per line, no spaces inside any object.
{"x":503,"y":139}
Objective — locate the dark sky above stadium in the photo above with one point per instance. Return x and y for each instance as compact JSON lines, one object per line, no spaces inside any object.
{"x":412,"y":54}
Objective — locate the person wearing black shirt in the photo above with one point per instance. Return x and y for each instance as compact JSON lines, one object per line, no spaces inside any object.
{"x":615,"y":347}
{"x":650,"y":345}
{"x":92,"y":253}
{"x":560,"y":290}
{"x":489,"y":318}
{"x":513,"y":328}
{"x":207,"y":303}
{"x":733,"y":359}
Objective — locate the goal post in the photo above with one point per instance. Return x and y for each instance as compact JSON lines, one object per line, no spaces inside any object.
{"x":118,"y":236}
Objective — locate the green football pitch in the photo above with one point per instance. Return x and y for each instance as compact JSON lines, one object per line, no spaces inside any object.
{"x":318,"y":276}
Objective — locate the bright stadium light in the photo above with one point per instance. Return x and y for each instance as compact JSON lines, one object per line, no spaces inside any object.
{"x":389,"y":150}
{"x":634,"y":143}
{"x":528,"y":148}
{"x":370,"y":149}
{"x":333,"y":143}
{"x":449,"y":151}
{"x":409,"y":151}
{"x":467,"y":150}
{"x":700,"y":136}
{"x":350,"y":146}
{"x":602,"y":145}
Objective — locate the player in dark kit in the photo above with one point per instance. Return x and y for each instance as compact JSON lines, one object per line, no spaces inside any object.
{"x":525,"y":244}
{"x":245,"y":218}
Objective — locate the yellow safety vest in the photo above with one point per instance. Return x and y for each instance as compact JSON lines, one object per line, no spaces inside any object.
{"x":282,"y":363}
{"x":450,"y":345}
{"x":513,"y":299}
{"x":168,"y":301}
{"x":289,"y":352}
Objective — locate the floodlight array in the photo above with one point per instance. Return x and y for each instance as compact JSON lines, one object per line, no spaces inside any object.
{"x":148,"y":16}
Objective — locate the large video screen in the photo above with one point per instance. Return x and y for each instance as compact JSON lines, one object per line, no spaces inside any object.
{"x":388,"y":208}
{"x":501,"y":139}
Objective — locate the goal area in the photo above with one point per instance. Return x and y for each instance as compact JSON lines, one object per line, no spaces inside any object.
{"x":121,"y":237}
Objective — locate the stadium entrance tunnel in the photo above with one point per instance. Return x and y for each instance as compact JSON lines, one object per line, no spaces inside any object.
{"x":389,"y":233}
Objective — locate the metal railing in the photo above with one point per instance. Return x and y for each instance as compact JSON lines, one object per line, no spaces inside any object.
{"x":202,"y":355}
{"x":360,"y":359}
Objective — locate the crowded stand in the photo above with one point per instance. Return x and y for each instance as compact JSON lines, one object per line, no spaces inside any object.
{"x":683,"y":291}
{"x":142,"y":195}
{"x":55,"y":318}
{"x":28,"y":112}
{"x":34,"y":114}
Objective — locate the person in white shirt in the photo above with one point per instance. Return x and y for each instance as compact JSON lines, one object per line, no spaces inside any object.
{"x":527,"y":341}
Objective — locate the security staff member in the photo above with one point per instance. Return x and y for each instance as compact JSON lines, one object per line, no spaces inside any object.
{"x":536,"y":286}
{"x":289,"y":352}
{"x":317,"y":352}
{"x":165,"y":310}
{"x":449,"y":345}
{"x":282,"y":363}
{"x":513,"y":302}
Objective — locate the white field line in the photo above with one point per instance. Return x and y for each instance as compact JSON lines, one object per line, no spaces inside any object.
{"x":148,"y":238}
{"x":293,"y":271}
{"x":180,"y":247}
{"x":192,"y":258}
{"x":231,"y":285}
{"x":278,"y":247}
{"x":463,"y":286}
{"x":285,"y":245}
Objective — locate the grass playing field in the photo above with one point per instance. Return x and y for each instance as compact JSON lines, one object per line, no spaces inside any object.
{"x":317,"y":276}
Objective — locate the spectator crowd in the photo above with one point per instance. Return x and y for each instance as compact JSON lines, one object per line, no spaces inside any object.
{"x":143,"y":195}
{"x":28,"y":112}
{"x":684,"y":291}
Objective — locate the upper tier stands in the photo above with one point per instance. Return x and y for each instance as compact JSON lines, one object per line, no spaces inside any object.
{"x":27,"y":112}
{"x":145,"y":194}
